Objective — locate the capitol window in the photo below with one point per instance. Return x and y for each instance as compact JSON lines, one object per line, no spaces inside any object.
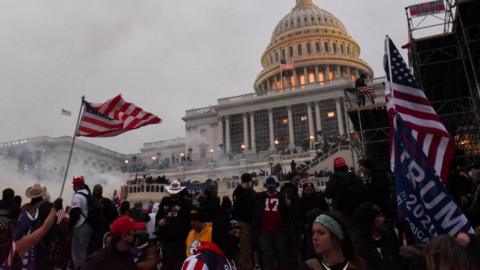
{"x":342,"y":49}
{"x":262,"y":130}
{"x":321,"y":78}
{"x":334,"y":47}
{"x":317,"y":47}
{"x":311,"y":77}
{"x":290,"y":51}
{"x":348,"y":50}
{"x":327,"y":49}
{"x":299,"y":48}
{"x":283,"y":54}
{"x":300,"y":123}
{"x":276,"y":56}
{"x":309,"y":48}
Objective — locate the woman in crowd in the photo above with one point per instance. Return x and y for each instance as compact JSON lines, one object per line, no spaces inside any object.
{"x":11,"y":252}
{"x":333,"y":243}
{"x":378,"y":237}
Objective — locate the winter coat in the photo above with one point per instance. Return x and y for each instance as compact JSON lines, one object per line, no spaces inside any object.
{"x":347,"y":191}
{"x":378,"y":187}
{"x":243,"y":203}
{"x":177,"y":216}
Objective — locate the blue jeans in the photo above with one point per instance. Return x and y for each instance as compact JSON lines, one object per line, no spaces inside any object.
{"x":273,"y":250}
{"x":80,"y":239}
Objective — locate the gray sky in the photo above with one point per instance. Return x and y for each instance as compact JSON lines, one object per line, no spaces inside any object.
{"x":166,"y":56}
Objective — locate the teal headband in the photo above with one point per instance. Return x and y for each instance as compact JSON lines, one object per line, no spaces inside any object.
{"x":331,"y":225}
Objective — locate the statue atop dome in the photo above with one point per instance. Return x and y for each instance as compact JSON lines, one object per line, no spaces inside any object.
{"x":304,"y":3}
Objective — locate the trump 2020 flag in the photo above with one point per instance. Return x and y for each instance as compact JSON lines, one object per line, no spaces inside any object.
{"x":421,"y":150}
{"x":423,"y":201}
{"x":112,"y":118}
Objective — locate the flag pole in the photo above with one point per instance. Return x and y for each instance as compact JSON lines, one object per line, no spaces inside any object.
{"x":281,"y":76}
{"x":387,"y":44}
{"x":71,"y":147}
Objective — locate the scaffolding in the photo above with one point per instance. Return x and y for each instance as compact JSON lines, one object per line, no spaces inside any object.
{"x":446,"y":62}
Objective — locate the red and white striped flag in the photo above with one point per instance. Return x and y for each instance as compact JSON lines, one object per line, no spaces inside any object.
{"x":112,"y":118}
{"x":286,"y":64}
{"x":405,"y":99}
{"x":367,"y":91}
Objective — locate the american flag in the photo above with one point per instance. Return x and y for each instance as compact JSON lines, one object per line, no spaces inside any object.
{"x":405,"y":99}
{"x":367,"y":91}
{"x":286,"y":64}
{"x":113,"y":117}
{"x":65,"y":112}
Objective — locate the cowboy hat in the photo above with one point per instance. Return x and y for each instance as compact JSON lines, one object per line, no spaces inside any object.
{"x":174,"y":187}
{"x":35,"y":191}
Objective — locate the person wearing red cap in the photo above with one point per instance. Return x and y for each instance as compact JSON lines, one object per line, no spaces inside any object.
{"x":117,"y":254}
{"x":78,"y":220}
{"x":345,"y":189}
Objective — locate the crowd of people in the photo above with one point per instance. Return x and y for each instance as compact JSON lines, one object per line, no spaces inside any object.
{"x":352,"y":224}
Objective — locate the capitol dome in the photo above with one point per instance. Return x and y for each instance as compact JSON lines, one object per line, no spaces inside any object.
{"x":315,"y":44}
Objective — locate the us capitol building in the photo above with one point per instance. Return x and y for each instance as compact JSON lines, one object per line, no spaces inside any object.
{"x":286,"y":110}
{"x":289,"y":109}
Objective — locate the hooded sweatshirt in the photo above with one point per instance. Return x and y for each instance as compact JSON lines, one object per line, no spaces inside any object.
{"x":194,"y":239}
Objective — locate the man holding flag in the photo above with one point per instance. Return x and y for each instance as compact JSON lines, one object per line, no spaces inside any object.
{"x":421,"y":151}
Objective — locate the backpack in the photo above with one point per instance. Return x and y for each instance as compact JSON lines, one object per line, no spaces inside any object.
{"x":90,"y":219}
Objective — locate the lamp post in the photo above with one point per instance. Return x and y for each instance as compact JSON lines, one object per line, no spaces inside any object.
{"x":243,"y":150}
{"x":154,"y":159}
{"x":312,"y":140}
{"x":211,"y":154}
{"x":182,"y":158}
{"x":270,"y":163}
{"x":134,"y":158}
{"x":276,"y":142}
{"x":126,"y":165}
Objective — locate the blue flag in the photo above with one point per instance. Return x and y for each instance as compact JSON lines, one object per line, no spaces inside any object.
{"x":423,"y":201}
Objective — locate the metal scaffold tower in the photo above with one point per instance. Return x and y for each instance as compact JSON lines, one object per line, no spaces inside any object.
{"x":446,"y":63}
{"x":444,"y":53}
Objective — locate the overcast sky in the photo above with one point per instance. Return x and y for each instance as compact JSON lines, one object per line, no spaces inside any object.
{"x":166,"y":56}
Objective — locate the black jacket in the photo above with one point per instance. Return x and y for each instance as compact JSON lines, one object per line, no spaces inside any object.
{"x":291,"y":192}
{"x":210,"y":203}
{"x":243,"y":203}
{"x":347,"y":192}
{"x":110,"y":258}
{"x":382,"y":254}
{"x":177,"y":216}
{"x":379,"y":190}
{"x":307,"y":203}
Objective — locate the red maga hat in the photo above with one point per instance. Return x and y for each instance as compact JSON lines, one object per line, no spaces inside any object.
{"x":78,"y":181}
{"x":339,"y":162}
{"x":124,"y":224}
